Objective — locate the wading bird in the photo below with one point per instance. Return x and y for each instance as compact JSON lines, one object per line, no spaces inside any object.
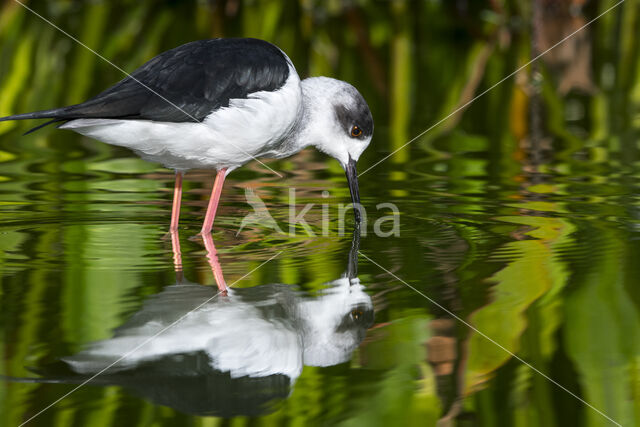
{"x":218,"y":104}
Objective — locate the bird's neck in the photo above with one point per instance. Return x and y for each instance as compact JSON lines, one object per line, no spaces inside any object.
{"x":314,"y":121}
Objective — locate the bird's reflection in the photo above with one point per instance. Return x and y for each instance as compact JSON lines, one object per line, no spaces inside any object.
{"x":237,"y":350}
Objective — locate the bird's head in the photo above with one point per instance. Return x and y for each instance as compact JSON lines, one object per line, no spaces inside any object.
{"x":339,"y":123}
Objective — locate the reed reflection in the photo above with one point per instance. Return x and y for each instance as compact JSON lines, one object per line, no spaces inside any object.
{"x":234,"y":351}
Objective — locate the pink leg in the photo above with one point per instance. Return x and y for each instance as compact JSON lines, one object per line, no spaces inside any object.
{"x":177,"y":197}
{"x":212,"y":256}
{"x":213,"y":202}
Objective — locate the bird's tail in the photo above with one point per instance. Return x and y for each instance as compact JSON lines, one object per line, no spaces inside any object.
{"x":56,"y":115}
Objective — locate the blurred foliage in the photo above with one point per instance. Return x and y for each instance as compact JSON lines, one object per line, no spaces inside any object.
{"x":519,"y":211}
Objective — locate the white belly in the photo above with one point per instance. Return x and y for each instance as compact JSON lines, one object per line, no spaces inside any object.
{"x":229,"y":137}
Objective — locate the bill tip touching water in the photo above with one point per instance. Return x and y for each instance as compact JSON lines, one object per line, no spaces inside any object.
{"x":223,"y":103}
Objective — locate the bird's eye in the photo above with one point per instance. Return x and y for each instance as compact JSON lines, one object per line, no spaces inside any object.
{"x":356,"y":314}
{"x":356,"y":131}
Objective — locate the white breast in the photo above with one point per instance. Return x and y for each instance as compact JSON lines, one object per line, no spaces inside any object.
{"x":229,"y":137}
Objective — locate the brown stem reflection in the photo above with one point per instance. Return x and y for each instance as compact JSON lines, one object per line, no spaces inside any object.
{"x":447,"y":345}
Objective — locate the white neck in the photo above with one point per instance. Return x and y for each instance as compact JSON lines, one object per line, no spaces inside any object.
{"x":317,"y":109}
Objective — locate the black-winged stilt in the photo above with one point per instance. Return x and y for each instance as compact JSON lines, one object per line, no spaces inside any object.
{"x":217,"y":104}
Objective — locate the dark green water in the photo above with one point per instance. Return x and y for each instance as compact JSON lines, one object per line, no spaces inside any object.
{"x":519,"y":217}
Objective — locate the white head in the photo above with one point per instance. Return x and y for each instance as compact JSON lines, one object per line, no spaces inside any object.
{"x":338,"y":122}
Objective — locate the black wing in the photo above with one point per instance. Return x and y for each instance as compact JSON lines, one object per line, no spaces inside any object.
{"x":184,"y":84}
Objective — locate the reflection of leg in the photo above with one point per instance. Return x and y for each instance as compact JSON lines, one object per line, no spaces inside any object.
{"x":175,"y":209}
{"x":213,"y":202}
{"x":177,"y":255}
{"x":212,"y":256}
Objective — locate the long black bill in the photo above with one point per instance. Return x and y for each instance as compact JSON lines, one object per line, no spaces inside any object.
{"x":352,"y":179}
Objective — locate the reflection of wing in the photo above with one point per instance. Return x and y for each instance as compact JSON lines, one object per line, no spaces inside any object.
{"x":185,"y":382}
{"x":203,"y":391}
{"x":235,"y":334}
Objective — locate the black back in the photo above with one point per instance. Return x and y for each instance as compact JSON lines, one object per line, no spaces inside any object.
{"x":189,"y":82}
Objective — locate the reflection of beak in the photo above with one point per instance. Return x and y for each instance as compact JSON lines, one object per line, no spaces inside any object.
{"x":352,"y":179}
